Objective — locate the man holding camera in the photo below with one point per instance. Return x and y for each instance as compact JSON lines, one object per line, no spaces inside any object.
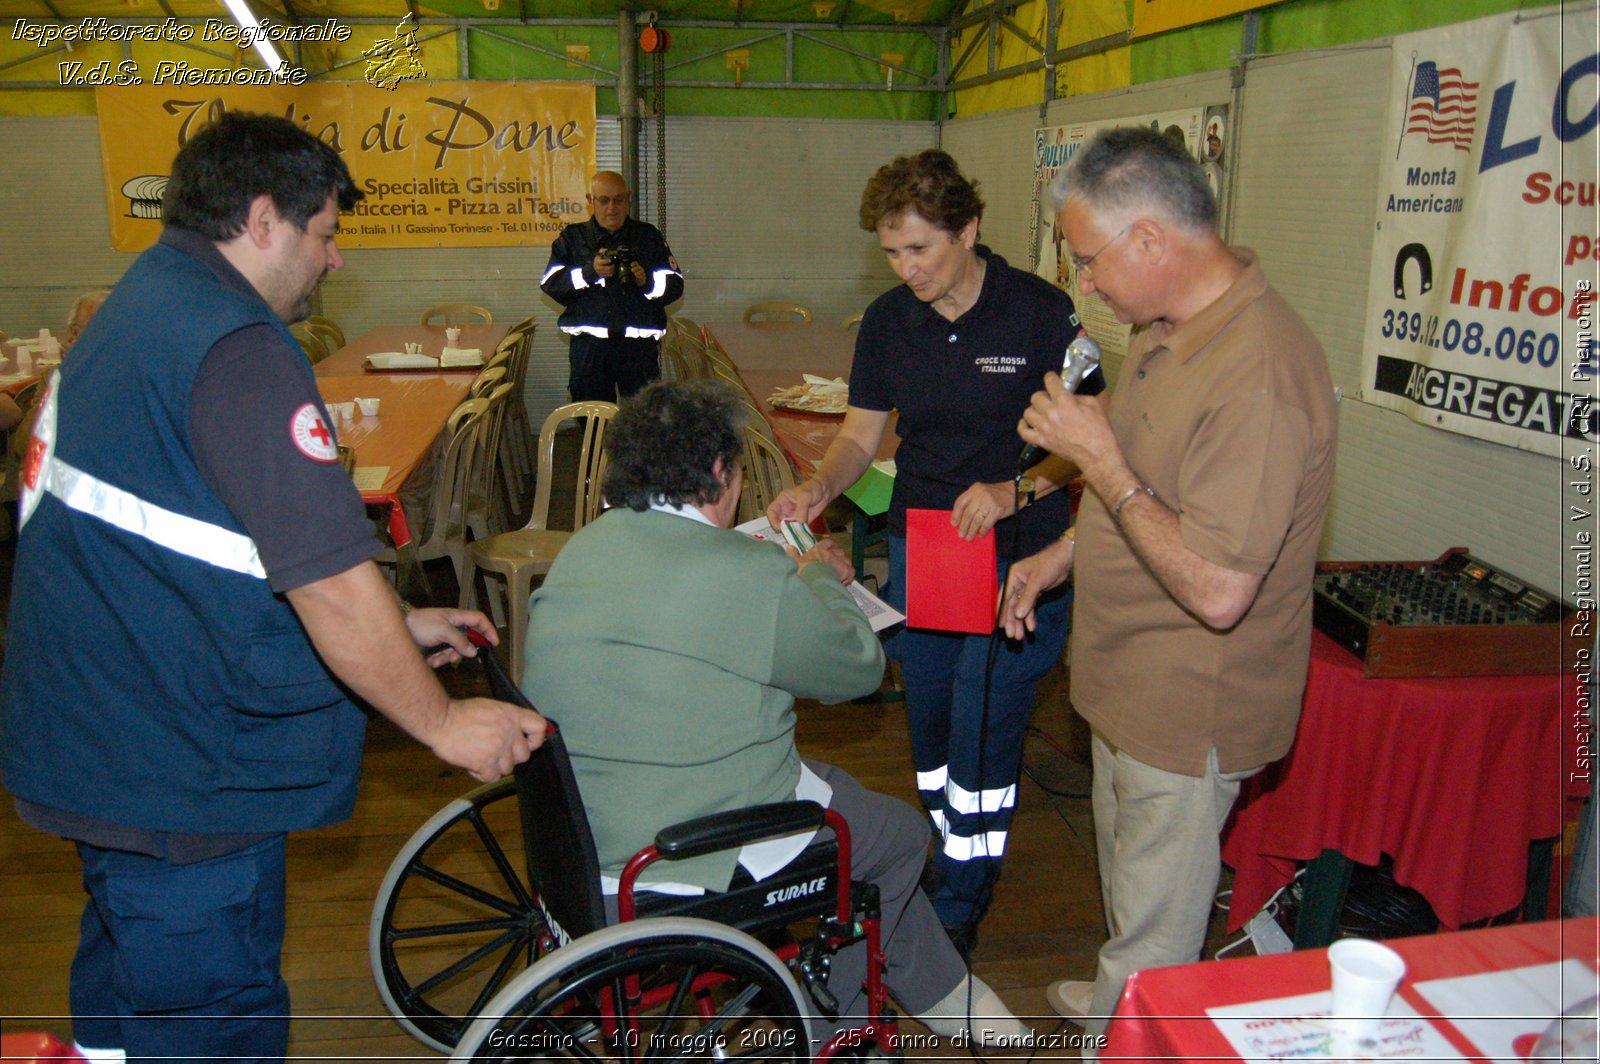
{"x":615,"y":276}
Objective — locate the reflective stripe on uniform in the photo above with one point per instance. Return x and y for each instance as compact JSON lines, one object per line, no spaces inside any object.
{"x":90,"y":495}
{"x":586,"y":330}
{"x":634,"y":332}
{"x":965,"y":802}
{"x":188,"y":536}
{"x":658,"y":285}
{"x":554,"y":269}
{"x":934,"y":779}
{"x":577,"y":278}
{"x":965,"y":847}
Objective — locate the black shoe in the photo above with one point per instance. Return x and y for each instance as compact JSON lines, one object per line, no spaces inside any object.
{"x":964,"y":937}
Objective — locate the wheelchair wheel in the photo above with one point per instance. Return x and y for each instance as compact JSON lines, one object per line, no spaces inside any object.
{"x":672,"y":988}
{"x":455,"y":919}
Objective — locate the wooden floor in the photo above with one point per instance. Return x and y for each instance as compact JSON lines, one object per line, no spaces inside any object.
{"x":1045,"y":923}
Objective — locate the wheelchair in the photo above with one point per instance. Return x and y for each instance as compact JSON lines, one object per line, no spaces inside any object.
{"x":489,"y":936}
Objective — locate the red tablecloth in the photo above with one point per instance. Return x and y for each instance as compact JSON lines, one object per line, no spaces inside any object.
{"x":1453,"y":778}
{"x":1162,"y":1012}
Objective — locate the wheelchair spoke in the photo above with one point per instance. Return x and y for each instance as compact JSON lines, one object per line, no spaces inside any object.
{"x":477,"y":894}
{"x":451,"y":970}
{"x":498,"y":853}
{"x":460,"y":927}
{"x":455,"y":921}
{"x":671,"y":998}
{"x":492,"y":985}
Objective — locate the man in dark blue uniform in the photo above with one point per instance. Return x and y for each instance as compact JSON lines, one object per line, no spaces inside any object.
{"x":195,"y":612}
{"x":615,"y":277}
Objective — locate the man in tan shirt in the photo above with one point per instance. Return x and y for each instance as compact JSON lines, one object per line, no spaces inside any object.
{"x":1209,"y":475}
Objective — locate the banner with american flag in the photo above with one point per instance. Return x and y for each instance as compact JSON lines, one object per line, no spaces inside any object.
{"x":1480,"y":305}
{"x":1443,"y":107}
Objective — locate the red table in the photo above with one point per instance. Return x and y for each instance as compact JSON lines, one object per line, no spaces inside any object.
{"x":1162,"y":1013}
{"x":1452,"y":778}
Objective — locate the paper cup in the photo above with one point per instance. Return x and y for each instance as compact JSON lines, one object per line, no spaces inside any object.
{"x":1365,"y":976}
{"x":368,"y":407}
{"x":344,"y":411}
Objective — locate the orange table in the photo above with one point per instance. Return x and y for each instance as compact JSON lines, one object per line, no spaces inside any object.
{"x":413,"y":409}
{"x":769,"y":357}
{"x":1480,"y":994}
{"x":350,"y":360}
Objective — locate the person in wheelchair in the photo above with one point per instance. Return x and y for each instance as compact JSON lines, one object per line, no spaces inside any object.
{"x":670,"y":649}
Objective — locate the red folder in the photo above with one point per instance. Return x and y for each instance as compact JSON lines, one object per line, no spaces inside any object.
{"x":951,"y":584}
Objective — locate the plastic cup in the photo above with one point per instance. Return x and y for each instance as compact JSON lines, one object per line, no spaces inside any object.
{"x":368,"y":407}
{"x":1365,"y":976}
{"x":345,"y":411}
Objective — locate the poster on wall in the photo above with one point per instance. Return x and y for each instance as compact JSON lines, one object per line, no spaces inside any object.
{"x":1484,"y":259}
{"x":1053,"y":149}
{"x":442,"y":164}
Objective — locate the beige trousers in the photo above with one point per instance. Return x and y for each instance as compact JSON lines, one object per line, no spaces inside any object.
{"x":1157,"y":836}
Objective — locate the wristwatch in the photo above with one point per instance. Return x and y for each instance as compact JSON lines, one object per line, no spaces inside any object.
{"x":1025,"y":490}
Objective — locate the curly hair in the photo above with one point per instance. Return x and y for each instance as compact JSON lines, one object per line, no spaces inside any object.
{"x":928,"y":183}
{"x":240,"y":156}
{"x":665,"y":440}
{"x":1131,"y":170}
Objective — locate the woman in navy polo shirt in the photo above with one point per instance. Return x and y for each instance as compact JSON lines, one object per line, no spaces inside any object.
{"x":958,"y":349}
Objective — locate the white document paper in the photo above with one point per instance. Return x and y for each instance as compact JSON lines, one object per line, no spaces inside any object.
{"x":370,"y":477}
{"x":879,"y":613}
{"x":1504,"y":1012}
{"x":1298,"y":1028}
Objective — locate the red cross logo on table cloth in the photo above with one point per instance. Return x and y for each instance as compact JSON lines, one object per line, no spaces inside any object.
{"x":311,"y":434}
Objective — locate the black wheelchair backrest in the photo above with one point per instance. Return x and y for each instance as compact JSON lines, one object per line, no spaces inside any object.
{"x":563,"y":868}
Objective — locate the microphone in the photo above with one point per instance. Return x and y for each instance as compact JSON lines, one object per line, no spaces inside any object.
{"x":1080,"y":367}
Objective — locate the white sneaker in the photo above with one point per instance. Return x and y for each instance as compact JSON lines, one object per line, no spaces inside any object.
{"x":996,"y":1026}
{"x":1071,"y":998}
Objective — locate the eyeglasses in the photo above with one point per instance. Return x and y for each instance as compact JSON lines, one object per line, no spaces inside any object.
{"x":1081,"y":264}
{"x":606,"y":201}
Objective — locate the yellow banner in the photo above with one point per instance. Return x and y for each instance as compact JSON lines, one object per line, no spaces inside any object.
{"x":1159,"y":16}
{"x":443,"y":164}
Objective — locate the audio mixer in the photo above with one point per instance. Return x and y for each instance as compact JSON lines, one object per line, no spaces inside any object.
{"x":1454,"y":616}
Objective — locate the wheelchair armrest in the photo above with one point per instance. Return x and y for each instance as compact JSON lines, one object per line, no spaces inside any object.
{"x":721,"y":831}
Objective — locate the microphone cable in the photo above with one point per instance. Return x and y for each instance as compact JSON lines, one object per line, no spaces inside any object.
{"x":992,"y":871}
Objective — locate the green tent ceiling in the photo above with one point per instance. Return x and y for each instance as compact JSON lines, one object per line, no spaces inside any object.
{"x":818,"y":12}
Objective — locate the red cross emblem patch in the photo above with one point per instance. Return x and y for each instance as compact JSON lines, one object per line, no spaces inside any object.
{"x":312,"y":435}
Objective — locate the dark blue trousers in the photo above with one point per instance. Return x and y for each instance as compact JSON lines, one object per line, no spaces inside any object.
{"x":605,"y":369}
{"x":967,"y":770}
{"x":181,"y":961}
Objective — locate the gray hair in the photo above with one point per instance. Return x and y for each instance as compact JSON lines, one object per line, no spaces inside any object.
{"x":90,"y":300}
{"x":1133,"y":170}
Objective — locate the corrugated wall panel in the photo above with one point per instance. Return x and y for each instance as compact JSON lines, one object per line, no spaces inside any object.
{"x":761,"y":209}
{"x":996,"y":150}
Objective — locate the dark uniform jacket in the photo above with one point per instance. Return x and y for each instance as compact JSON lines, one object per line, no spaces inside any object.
{"x":612,"y":309}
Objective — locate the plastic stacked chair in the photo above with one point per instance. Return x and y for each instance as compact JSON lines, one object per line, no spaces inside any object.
{"x":442,"y":532}
{"x":776,"y":313}
{"x":457,"y":314}
{"x":513,"y":559}
{"x":767,"y":471}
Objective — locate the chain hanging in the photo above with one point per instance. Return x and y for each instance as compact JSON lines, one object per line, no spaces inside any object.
{"x":659,"y":102}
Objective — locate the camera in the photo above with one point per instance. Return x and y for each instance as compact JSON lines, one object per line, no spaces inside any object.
{"x":622,"y":257}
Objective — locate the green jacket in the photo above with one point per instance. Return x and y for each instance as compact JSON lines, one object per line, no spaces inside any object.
{"x":670,"y":653}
